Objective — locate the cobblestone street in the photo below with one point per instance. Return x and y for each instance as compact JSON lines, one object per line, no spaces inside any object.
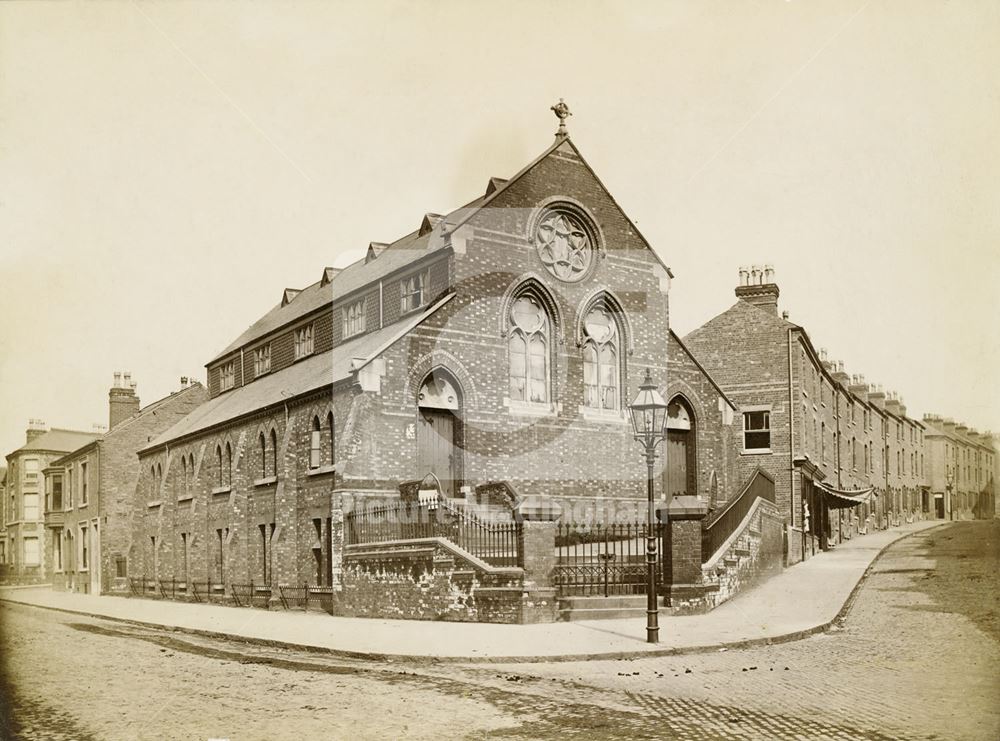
{"x":916,"y":658}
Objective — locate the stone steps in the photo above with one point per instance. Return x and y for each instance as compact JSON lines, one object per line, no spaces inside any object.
{"x":603,"y":608}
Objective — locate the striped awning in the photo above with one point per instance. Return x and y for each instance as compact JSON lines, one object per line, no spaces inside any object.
{"x":844,"y":498}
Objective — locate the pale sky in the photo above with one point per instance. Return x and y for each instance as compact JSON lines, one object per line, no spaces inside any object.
{"x":167,"y":169}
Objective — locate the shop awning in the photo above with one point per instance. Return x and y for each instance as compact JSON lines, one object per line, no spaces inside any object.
{"x":844,"y":498}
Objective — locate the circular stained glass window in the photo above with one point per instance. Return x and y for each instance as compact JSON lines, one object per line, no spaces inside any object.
{"x":564,"y":245}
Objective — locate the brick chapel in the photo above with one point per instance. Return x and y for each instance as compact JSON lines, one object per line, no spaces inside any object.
{"x":499,"y":342}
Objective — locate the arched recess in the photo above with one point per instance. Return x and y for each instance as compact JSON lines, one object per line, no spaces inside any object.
{"x":680,"y":477}
{"x":530,"y":284}
{"x":532,"y":331}
{"x":437,"y":359}
{"x":440,"y":430}
{"x":604,"y":336}
{"x":607,"y":299}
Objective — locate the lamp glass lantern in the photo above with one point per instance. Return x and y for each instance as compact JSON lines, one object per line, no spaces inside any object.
{"x":649,"y":412}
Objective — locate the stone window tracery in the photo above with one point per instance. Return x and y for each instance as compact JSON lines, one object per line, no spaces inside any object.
{"x":529,"y":350}
{"x":601,"y":353}
{"x":564,"y":244}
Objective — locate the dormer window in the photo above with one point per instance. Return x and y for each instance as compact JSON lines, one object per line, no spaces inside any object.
{"x":227,"y":376}
{"x":354,"y":319}
{"x":413,"y":291}
{"x":303,"y":341}
{"x":262,"y":360}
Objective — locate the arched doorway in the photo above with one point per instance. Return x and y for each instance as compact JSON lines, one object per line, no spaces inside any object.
{"x":439,"y":405}
{"x":682,"y":469}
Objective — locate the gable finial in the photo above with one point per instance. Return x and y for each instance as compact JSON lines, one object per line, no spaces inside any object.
{"x":562,"y":112}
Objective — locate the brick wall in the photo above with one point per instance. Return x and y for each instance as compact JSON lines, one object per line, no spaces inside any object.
{"x":755,"y":554}
{"x":426,"y":581}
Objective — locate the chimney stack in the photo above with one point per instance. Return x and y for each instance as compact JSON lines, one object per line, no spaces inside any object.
{"x":757,"y":287}
{"x":122,"y":400}
{"x":36,"y":428}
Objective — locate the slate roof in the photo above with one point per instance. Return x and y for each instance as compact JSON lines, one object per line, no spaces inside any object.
{"x":125,"y":423}
{"x":357,"y":275}
{"x":302,"y":377}
{"x":59,"y":441}
{"x":398,"y":255}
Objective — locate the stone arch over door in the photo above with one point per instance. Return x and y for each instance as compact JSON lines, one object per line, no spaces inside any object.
{"x":680,"y":476}
{"x":439,"y":434}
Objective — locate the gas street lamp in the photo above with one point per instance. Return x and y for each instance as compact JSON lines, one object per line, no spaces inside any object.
{"x":649,"y":422}
{"x":949,"y":478}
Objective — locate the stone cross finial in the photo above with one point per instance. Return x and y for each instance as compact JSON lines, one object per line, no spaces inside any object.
{"x":562,"y":113}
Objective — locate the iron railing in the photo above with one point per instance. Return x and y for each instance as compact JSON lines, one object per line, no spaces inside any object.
{"x":305,"y":596}
{"x":496,"y":543}
{"x":717,"y":528}
{"x":250,"y":595}
{"x":601,"y":559}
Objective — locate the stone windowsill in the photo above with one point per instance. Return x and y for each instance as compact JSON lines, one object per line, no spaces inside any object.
{"x":155,"y":503}
{"x":528,"y":409}
{"x":605,"y":416}
{"x":222,"y":490}
{"x":321,"y":471}
{"x":266,"y":481}
{"x":756,"y":451}
{"x":185,"y":498}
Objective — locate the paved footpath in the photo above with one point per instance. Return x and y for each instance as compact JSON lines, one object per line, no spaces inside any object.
{"x":803,"y":599}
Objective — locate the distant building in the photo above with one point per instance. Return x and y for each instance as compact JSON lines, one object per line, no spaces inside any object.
{"x":89,"y":492}
{"x":24,"y":521}
{"x":819,"y":432}
{"x":962,"y":468}
{"x":3,"y":520}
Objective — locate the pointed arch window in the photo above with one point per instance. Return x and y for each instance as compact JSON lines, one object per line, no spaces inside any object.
{"x":262,"y":450}
{"x":601,"y":359}
{"x":229,"y":465}
{"x":220,"y":480}
{"x":333,"y":438}
{"x":315,"y":450}
{"x":184,"y":476}
{"x":274,"y":452}
{"x":528,"y":344}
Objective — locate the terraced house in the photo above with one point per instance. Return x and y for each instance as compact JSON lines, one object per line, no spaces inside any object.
{"x":24,"y":523}
{"x":844,"y":455}
{"x":500,"y":342}
{"x":89,"y":491}
{"x":961,"y":465}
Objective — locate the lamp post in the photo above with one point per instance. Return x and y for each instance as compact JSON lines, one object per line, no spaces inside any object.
{"x":949,"y":478}
{"x":649,"y":422}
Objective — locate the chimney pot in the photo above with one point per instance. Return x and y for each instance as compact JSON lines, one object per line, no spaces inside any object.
{"x":118,"y":379}
{"x":769,"y":274}
{"x":784,"y":315}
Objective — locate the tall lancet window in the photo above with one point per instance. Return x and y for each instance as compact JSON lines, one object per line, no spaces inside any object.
{"x":601,"y":365}
{"x":529,"y":351}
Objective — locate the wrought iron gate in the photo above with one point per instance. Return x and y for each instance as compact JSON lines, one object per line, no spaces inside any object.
{"x":601,"y":560}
